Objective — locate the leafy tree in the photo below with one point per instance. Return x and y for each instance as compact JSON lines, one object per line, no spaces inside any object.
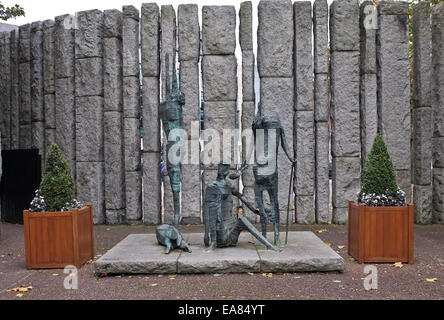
{"x":57,"y":185}
{"x":379,"y":175}
{"x":10,"y":12}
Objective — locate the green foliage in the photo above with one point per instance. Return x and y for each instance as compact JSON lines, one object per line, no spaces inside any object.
{"x":379,"y":174}
{"x":57,"y":185}
{"x":11,"y":12}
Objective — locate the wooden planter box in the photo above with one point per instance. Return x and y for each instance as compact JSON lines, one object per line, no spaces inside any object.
{"x":380,"y":234}
{"x":54,"y":240}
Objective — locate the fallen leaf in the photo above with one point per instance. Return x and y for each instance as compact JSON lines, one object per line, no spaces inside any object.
{"x":268,"y":275}
{"x":55,"y":274}
{"x":21,"y":289}
{"x":130,"y":277}
{"x":19,"y":295}
{"x":341,"y":247}
{"x":398,"y":265}
{"x":328,"y":244}
{"x":432,"y":279}
{"x":251,"y":273}
{"x":321,"y":231}
{"x":173,"y":276}
{"x":154,"y":285}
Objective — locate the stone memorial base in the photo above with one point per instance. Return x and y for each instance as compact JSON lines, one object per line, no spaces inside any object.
{"x":141,"y":254}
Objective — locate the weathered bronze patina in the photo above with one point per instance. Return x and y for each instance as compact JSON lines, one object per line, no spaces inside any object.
{"x":222,"y":228}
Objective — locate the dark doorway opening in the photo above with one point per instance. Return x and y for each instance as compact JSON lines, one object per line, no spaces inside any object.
{"x":22,"y":171}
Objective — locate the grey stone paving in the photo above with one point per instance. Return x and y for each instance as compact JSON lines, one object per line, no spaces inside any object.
{"x":141,"y":254}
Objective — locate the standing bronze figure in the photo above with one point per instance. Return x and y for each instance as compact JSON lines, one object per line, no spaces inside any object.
{"x":266,"y":177}
{"x":171,"y":115}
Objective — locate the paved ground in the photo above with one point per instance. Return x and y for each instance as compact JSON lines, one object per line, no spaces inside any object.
{"x":407,"y":282}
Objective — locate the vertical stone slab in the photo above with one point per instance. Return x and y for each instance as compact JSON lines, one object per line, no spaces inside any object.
{"x":14,"y":117}
{"x":345,"y":117}
{"x":150,"y":57}
{"x":304,"y":139}
{"x":37,"y":95}
{"x":392,"y":47}
{"x":189,"y":51}
{"x":422,"y":114}
{"x":321,"y":111}
{"x":64,"y":61}
{"x":248,"y":98}
{"x":168,"y":45}
{"x":275,"y":66}
{"x":131,"y":114}
{"x":49,"y":84}
{"x":115,"y":197}
{"x":5,"y":89}
{"x":25,"y":139}
{"x":437,"y":99}
{"x":89,"y":110}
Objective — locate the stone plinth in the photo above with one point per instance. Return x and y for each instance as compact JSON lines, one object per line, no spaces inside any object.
{"x":141,"y":254}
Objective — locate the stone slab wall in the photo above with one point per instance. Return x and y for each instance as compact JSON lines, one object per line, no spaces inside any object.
{"x":92,"y":83}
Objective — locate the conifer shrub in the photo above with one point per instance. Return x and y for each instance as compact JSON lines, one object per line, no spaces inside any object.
{"x":57,"y":186}
{"x":379,"y":186}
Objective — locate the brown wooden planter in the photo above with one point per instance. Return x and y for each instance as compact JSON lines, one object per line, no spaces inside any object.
{"x":54,"y":240}
{"x":380,"y":234}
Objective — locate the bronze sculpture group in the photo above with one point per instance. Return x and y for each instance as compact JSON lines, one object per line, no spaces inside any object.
{"x":222,"y":227}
